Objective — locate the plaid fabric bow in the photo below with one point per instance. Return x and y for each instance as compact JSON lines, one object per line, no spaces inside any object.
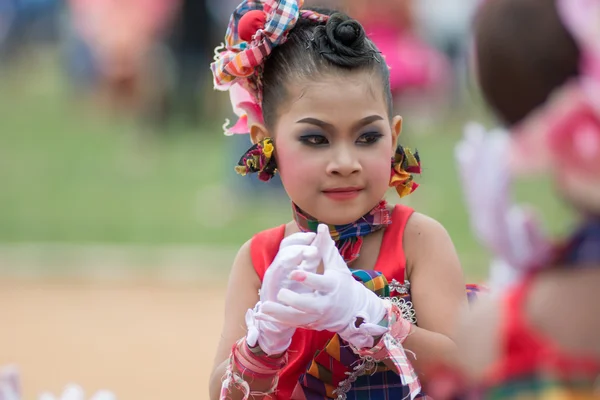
{"x":404,"y":164}
{"x":348,"y":238}
{"x":238,"y":61}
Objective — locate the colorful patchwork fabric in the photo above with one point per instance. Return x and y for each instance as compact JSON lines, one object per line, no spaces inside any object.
{"x":329,"y":371}
{"x":348,"y":238}
{"x":373,"y":280}
{"x":259,"y":159}
{"x":579,"y":385}
{"x":255,"y":28}
{"x":331,"y":367}
{"x":241,"y":61}
{"x":404,"y":165}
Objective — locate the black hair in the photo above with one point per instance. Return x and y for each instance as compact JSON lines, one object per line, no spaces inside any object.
{"x":523,"y":53}
{"x":312,"y":49}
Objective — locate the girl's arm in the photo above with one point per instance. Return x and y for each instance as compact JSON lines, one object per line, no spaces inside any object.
{"x":241,"y":295}
{"x":437,"y":290}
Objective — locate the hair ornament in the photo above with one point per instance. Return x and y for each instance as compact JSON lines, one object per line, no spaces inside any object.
{"x":255,"y":28}
{"x":404,"y":164}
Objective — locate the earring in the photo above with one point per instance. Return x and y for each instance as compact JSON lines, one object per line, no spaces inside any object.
{"x":259,"y":159}
{"x":404,"y":164}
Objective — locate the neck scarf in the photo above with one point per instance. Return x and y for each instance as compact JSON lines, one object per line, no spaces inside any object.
{"x":349,"y":237}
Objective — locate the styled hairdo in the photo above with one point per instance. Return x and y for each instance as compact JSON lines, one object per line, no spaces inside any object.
{"x":523,"y":54}
{"x":315,"y":49}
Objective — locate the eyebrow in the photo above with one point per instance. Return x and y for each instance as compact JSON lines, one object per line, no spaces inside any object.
{"x":328,"y":126}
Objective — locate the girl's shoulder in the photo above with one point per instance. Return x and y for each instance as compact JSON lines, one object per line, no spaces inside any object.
{"x":423,"y":234}
{"x":419,"y":224}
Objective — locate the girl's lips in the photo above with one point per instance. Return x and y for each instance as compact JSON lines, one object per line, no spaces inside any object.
{"x":341,"y":194}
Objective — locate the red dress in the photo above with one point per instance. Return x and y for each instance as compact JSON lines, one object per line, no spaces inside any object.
{"x":532,"y":365}
{"x":305,"y":343}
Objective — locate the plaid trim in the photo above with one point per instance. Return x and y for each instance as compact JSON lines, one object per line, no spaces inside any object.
{"x":404,"y":164}
{"x":331,"y":373}
{"x":259,"y":159}
{"x":348,"y":238}
{"x":374,"y":281}
{"x":380,"y":386}
{"x":333,"y":364}
{"x":240,"y":61}
{"x":390,"y":348}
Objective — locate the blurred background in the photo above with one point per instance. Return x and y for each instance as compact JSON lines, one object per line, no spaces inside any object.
{"x":120,"y":213}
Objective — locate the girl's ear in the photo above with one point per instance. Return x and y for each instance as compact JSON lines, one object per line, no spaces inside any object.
{"x":396,"y":131}
{"x":258,"y":132}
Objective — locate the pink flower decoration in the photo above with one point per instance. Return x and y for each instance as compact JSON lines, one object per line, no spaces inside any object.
{"x":574,"y":140}
{"x":246,"y":108}
{"x":564,"y":134}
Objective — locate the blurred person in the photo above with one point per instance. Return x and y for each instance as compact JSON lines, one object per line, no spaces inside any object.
{"x":326,"y":304}
{"x":417,"y":70}
{"x":538,"y":66}
{"x":124,"y":42}
{"x":445,"y":24}
{"x":192,"y":42}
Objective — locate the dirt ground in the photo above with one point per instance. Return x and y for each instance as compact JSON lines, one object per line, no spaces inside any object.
{"x":142,"y":340}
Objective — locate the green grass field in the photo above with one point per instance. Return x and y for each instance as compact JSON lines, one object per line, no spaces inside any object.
{"x":70,"y":176}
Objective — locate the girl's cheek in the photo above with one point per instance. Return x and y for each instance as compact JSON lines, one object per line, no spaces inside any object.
{"x":289,"y":162}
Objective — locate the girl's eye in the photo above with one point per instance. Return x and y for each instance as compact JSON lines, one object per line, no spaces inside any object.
{"x":369,"y":138}
{"x":313,"y":140}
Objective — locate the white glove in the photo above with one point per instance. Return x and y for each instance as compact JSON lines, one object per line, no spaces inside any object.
{"x":337,"y":302}
{"x":294,"y":253}
{"x":511,"y":232}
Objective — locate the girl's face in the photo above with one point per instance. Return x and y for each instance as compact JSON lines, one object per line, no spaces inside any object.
{"x":333,"y":146}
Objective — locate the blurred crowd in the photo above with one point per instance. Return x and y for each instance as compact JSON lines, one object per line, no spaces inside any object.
{"x":149,"y":58}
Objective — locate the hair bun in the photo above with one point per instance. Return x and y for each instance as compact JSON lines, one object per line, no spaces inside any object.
{"x":347,"y":32}
{"x":343,"y":32}
{"x":342,"y":40}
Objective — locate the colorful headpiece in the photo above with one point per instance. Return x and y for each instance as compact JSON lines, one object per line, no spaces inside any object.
{"x":255,"y":28}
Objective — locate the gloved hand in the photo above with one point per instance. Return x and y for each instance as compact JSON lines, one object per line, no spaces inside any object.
{"x":295,"y":252}
{"x":510,"y":231}
{"x":337,"y":302}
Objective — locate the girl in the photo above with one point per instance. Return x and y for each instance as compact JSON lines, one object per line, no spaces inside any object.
{"x":539,"y":69}
{"x":123,"y":39}
{"x":313,"y":92}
